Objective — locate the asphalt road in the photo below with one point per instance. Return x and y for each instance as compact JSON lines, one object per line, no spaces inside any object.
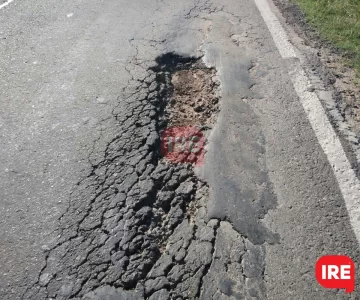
{"x":90,"y":211}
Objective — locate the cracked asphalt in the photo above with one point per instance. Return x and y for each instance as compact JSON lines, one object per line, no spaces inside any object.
{"x":89,"y":207}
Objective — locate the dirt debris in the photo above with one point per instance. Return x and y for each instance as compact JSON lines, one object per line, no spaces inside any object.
{"x":194,"y":100}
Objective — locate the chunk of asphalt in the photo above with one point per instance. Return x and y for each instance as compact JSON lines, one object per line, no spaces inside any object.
{"x":111,"y":293}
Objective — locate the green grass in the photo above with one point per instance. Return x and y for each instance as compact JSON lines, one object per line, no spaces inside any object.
{"x":338,"y":21}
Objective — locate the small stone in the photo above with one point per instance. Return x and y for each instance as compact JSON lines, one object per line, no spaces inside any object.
{"x":165,"y":198}
{"x":109,"y":292}
{"x":185,"y":189}
{"x":160,"y":295}
{"x":45,"y":279}
{"x":172,"y":184}
{"x":117,"y":256}
{"x":45,"y":248}
{"x":101,"y":100}
{"x":175,"y":216}
{"x":205,"y":233}
{"x":66,"y":289}
{"x":161,"y":267}
{"x":153,"y":285}
{"x":180,"y":255}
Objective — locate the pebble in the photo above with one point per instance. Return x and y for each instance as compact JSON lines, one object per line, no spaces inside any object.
{"x":101,"y":100}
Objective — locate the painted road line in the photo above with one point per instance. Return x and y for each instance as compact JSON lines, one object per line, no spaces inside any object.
{"x":6,"y":4}
{"x":278,"y":33}
{"x":348,"y":182}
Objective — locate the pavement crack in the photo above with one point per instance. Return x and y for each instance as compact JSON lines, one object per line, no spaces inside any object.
{"x":124,"y":214}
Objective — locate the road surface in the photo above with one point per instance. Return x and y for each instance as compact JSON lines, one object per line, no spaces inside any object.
{"x":90,"y":209}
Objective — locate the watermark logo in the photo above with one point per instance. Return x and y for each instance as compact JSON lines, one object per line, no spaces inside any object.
{"x":336,"y":272}
{"x":183,"y":145}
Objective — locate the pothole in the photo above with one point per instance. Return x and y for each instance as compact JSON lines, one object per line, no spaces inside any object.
{"x":189,"y":92}
{"x":194,"y":100}
{"x":122,"y":217}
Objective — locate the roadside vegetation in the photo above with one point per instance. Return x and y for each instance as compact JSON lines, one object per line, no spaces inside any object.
{"x":338,"y":21}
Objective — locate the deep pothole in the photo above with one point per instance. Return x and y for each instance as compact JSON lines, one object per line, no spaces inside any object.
{"x":122,"y":216}
{"x":191,"y":91}
{"x":194,"y":101}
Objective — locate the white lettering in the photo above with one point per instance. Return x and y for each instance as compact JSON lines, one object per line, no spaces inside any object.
{"x":323,"y":272}
{"x":345,"y":272}
{"x":333,"y":271}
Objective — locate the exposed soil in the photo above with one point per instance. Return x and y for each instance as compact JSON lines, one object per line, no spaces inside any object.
{"x":136,"y":221}
{"x":190,"y":107}
{"x":194,"y":101}
{"x":337,"y":73}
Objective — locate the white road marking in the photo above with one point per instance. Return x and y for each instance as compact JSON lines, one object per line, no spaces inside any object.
{"x":348,"y":182}
{"x":6,"y":4}
{"x":279,"y":35}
